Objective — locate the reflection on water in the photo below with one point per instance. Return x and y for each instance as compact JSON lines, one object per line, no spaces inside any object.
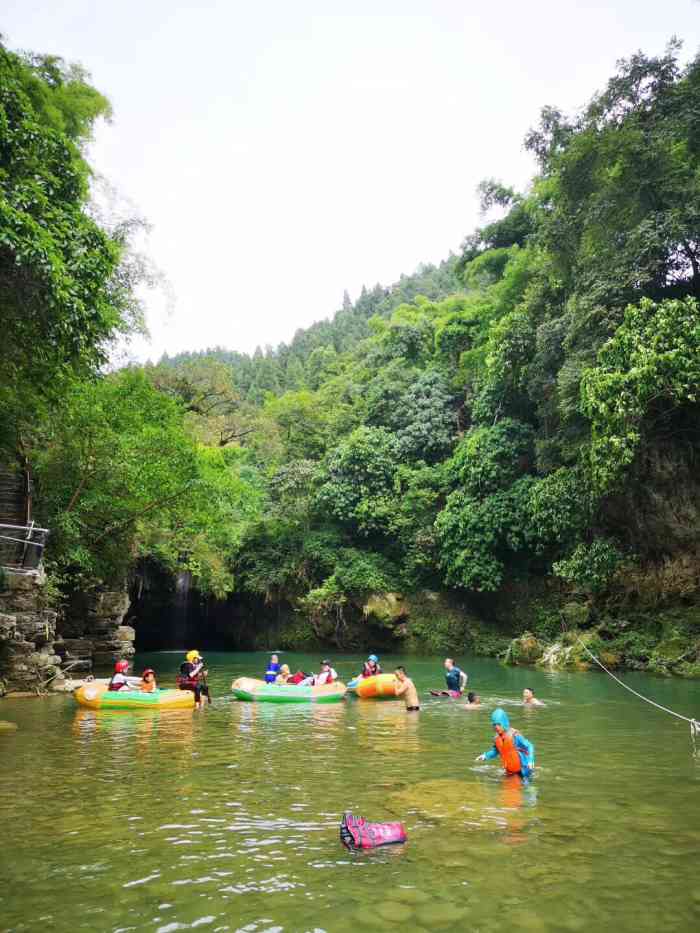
{"x":181,"y":820}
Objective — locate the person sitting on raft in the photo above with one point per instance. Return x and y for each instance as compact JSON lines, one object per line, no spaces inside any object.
{"x":119,"y":680}
{"x":273,"y":669}
{"x":192,"y":675}
{"x":517,"y":754}
{"x":456,"y":681}
{"x":284,"y":675}
{"x":148,"y":681}
{"x":529,"y":698}
{"x":325,"y":676}
{"x":371,"y":667}
{"x":473,"y":701}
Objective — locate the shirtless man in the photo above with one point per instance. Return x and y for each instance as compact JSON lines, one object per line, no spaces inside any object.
{"x":529,"y":698}
{"x":406,"y":688}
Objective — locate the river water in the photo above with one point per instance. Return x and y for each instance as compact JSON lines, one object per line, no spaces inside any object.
{"x":227,"y":819}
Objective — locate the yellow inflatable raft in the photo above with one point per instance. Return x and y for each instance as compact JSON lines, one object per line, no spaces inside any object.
{"x":97,"y":696}
{"x":379,"y":687}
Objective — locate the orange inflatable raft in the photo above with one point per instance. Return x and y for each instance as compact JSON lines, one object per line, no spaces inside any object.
{"x":379,"y":687}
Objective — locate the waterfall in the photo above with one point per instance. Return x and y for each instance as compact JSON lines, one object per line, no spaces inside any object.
{"x":183,"y":584}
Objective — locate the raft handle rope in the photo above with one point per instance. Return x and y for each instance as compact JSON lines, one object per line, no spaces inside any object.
{"x":694,"y":724}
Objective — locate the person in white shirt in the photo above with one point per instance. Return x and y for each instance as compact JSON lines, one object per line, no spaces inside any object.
{"x":326,"y":675}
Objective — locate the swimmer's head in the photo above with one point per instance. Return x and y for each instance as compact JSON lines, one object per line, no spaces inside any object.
{"x":400,"y":672}
{"x":500,"y":720}
{"x":473,"y":697}
{"x":528,"y":695}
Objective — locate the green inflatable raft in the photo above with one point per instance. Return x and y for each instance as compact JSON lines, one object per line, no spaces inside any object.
{"x":257,"y":691}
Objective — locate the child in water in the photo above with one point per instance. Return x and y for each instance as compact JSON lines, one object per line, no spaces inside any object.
{"x":473,"y":701}
{"x":517,"y":754}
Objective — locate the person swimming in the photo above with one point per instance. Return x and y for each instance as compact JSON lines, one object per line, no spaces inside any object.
{"x":517,"y":754}
{"x":529,"y":698}
{"x":473,"y":701}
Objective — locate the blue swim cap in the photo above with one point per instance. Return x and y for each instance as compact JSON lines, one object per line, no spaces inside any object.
{"x":499,"y":718}
{"x":373,"y":657}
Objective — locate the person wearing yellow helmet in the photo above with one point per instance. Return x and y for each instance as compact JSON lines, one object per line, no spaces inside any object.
{"x":193,"y":677}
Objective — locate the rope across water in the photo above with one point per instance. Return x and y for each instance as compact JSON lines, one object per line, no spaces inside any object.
{"x":694,"y":724}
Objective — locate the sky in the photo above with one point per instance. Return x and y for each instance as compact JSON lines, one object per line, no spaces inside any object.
{"x":284,"y":152}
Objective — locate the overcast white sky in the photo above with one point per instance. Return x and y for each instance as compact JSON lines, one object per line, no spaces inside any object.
{"x":286,"y":150}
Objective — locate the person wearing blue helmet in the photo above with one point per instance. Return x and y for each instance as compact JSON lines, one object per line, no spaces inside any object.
{"x":517,"y":754}
{"x":371,"y":666}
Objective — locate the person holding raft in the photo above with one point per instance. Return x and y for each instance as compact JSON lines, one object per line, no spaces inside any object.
{"x":517,"y":754}
{"x":273,"y":669}
{"x":456,"y":681}
{"x":371,"y":667}
{"x":193,"y":677}
{"x":407,"y":689}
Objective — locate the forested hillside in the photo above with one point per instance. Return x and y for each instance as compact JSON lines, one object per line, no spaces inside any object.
{"x":507,"y":441}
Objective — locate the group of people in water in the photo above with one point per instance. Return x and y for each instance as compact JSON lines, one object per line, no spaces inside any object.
{"x":516,"y":752}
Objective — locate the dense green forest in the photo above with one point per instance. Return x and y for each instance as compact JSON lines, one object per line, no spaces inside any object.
{"x":506,"y":441}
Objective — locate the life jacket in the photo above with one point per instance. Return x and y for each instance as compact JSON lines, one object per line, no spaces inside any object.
{"x":271,"y":673}
{"x":297,"y":678}
{"x":121,"y":685}
{"x":186,"y":679}
{"x":505,"y":744}
{"x":368,"y":672}
{"x":357,"y":833}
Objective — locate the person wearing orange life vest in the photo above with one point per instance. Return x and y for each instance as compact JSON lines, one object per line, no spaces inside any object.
{"x":517,"y":754}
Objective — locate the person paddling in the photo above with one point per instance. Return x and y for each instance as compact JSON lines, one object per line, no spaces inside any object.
{"x":193,"y":677}
{"x":517,"y":754}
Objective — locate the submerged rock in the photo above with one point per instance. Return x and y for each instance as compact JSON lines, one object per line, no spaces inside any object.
{"x":6,"y":726}
{"x":525,"y":649}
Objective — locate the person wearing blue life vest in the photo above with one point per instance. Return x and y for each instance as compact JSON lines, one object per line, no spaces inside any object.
{"x":273,"y":669}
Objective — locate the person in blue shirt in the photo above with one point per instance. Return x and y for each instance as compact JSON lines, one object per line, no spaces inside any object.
{"x":517,"y":754}
{"x":456,"y":681}
{"x":273,"y":669}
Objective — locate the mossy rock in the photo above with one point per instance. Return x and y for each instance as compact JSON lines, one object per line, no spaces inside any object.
{"x":525,"y":649}
{"x":576,"y":615}
{"x":387,"y":608}
{"x":442,"y":798}
{"x":7,"y":726}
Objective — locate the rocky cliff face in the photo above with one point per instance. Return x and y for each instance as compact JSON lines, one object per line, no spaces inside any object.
{"x":92,"y":632}
{"x":27,"y":633}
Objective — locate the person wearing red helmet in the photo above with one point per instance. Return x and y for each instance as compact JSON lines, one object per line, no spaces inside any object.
{"x":148,"y":681}
{"x":119,"y":680}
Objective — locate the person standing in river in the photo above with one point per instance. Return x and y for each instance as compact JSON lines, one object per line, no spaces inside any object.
{"x":406,"y":688}
{"x":456,"y":681}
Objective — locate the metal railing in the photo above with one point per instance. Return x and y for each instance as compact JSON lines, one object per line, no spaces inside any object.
{"x":22,"y":546}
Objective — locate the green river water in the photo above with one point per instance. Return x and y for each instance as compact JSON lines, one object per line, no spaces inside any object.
{"x":227,"y":819}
